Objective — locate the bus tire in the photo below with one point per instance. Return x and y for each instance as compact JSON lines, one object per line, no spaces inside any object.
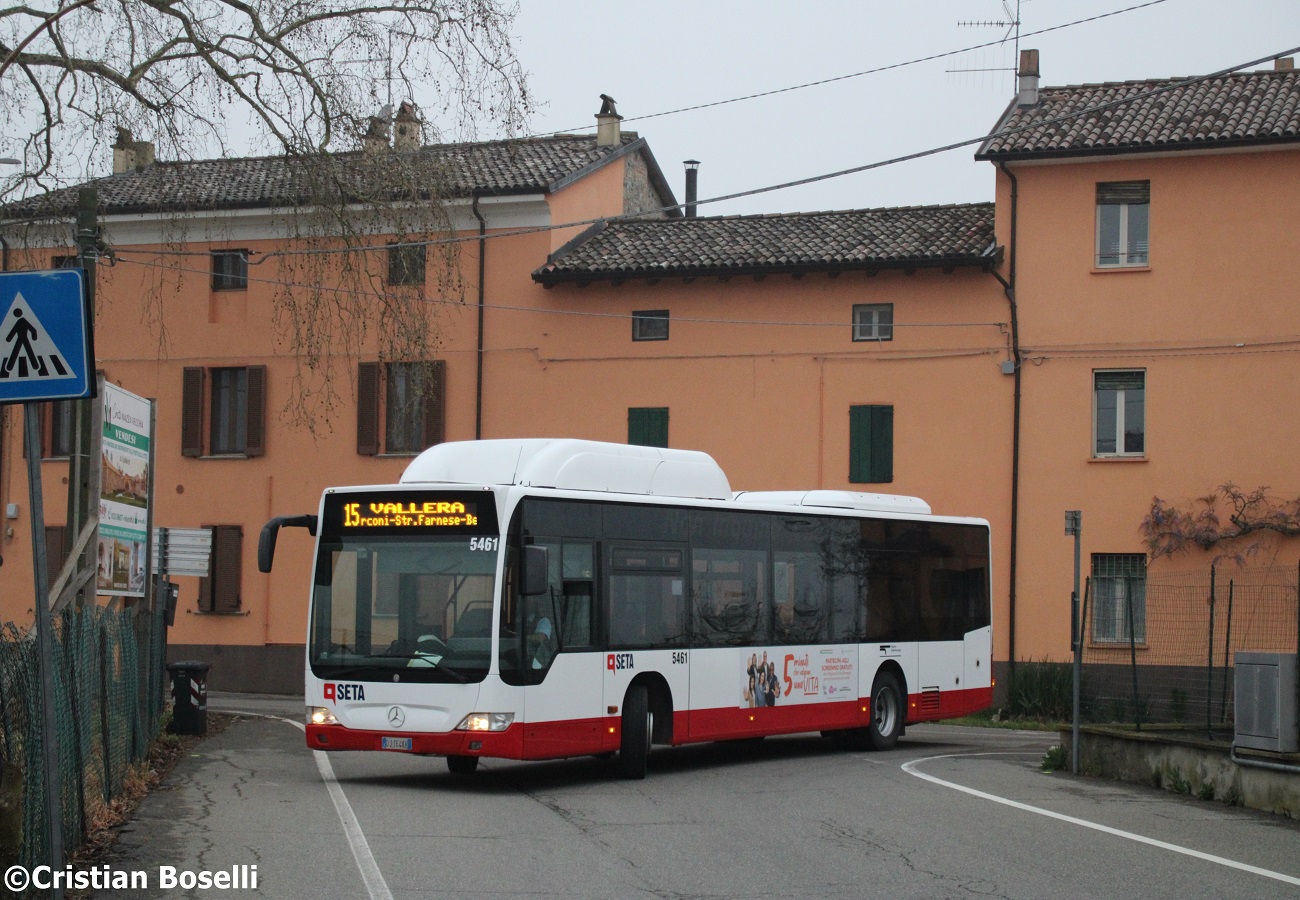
{"x":638,"y":729}
{"x":886,"y":712}
{"x":462,"y":765}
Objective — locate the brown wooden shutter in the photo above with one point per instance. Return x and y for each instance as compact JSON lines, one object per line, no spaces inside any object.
{"x":368,"y":408}
{"x":255,"y":444}
{"x":219,"y":591}
{"x":435,"y":406}
{"x":192,"y":411}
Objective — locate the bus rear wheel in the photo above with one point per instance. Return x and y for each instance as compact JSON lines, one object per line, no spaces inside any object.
{"x":886,"y":712}
{"x":638,"y":730}
{"x":462,"y":765}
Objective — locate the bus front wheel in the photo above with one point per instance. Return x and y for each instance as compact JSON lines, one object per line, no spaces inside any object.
{"x":462,"y":765}
{"x":638,"y":730}
{"x":886,"y":712}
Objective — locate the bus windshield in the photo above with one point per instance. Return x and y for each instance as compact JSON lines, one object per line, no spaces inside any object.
{"x":404,"y":608}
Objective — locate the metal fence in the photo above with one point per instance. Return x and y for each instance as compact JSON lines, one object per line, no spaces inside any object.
{"x":108,"y":686}
{"x":1161,"y":649}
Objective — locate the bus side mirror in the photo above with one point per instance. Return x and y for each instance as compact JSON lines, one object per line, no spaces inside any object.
{"x":536,"y":570}
{"x":271,"y":530}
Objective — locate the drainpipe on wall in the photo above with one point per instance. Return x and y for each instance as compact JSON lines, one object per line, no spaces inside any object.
{"x":482,"y":296}
{"x":1009,"y":286}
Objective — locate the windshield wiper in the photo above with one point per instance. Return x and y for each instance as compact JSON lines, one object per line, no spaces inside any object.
{"x":346,"y":671}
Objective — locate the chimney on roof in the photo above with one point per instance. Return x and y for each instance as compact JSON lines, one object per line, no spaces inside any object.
{"x":129,"y":154}
{"x":608,"y":132}
{"x":376,"y":136}
{"x":1027,"y":82}
{"x":1284,"y":64}
{"x":407,"y":127}
{"x":692,"y":185}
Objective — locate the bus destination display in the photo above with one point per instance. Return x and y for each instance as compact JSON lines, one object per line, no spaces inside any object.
{"x":431,"y":514}
{"x":392,"y":512}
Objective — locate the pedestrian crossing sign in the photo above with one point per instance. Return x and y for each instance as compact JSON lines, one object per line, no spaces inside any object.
{"x":47,"y":348}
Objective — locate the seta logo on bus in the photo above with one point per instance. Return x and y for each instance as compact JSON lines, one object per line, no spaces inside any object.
{"x":617,"y":662}
{"x":334,"y":692}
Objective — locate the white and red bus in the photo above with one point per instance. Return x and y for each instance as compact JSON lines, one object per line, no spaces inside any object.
{"x":540,"y":599}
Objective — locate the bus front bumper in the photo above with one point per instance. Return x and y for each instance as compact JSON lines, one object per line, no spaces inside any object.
{"x":507,"y":744}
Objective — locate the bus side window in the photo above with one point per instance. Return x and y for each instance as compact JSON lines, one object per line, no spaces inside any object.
{"x":647,"y":604}
{"x":577,"y":594}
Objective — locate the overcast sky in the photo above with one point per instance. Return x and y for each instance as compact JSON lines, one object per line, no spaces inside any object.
{"x":660,"y":56}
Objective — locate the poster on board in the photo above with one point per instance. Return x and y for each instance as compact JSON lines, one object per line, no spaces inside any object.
{"x":124,"y":494}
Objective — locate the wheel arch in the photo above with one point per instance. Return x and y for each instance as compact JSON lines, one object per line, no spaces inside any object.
{"x":660,"y":697}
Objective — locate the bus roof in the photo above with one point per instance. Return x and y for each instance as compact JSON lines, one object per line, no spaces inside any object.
{"x":568,"y":464}
{"x":576,"y":465}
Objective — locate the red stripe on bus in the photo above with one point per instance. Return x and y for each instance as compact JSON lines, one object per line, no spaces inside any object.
{"x":581,"y":737}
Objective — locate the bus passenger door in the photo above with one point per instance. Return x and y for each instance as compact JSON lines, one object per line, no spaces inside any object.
{"x":564,"y":708}
{"x":647,"y":629}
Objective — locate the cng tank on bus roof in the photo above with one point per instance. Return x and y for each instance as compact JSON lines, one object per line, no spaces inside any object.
{"x":894,"y":503}
{"x":568,"y":464}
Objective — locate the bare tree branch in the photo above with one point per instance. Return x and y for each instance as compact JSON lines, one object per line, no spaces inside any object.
{"x":1169,"y":530}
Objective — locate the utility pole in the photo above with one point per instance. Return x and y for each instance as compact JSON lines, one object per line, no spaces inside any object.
{"x":79,"y":461}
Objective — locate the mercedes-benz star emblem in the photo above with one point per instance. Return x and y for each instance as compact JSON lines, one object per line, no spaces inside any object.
{"x":396,"y":717}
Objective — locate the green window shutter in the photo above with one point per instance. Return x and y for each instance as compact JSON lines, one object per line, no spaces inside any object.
{"x":871,"y":444}
{"x":648,"y":426}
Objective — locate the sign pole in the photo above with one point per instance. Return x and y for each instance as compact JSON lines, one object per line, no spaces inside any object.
{"x":80,"y":494}
{"x":44,"y":639}
{"x":1074,"y":528}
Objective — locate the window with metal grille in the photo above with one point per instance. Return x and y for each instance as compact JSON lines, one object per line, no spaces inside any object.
{"x":873,"y":322}
{"x":404,"y":402}
{"x":406,"y":263}
{"x":1123,"y":223}
{"x":1119,"y":597}
{"x":1119,"y":413}
{"x":230,"y":270}
{"x":648,"y":426}
{"x":219,"y":590}
{"x":227,"y":419}
{"x":871,"y":444}
{"x":650,"y":325}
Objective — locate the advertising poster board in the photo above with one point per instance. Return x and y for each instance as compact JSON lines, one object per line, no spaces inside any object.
{"x":124,"y":494}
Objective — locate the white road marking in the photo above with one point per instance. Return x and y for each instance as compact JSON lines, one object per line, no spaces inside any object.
{"x":376,"y":887}
{"x":910,"y":769}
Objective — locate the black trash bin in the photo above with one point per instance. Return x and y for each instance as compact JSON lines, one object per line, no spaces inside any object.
{"x":189,"y":697}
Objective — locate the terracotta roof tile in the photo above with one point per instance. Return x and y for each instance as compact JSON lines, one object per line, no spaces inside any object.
{"x":1146,"y":116}
{"x":911,"y":237}
{"x":490,"y":167}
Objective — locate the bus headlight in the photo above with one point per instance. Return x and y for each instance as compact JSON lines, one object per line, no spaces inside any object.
{"x":321,"y":715}
{"x":480,"y":721}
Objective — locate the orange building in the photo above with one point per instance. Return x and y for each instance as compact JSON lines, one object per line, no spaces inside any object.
{"x":994,"y":359}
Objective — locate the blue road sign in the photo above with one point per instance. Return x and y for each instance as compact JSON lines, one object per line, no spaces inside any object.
{"x":47,"y":344}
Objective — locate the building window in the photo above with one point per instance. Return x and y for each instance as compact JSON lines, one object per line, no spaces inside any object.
{"x":871,"y":444}
{"x":1123,"y":210}
{"x":1119,"y":413}
{"x":648,"y":426}
{"x":406,"y":263}
{"x":650,"y":325}
{"x":219,"y":590}
{"x":1119,"y":597}
{"x":873,"y":322}
{"x":228,"y":419}
{"x":230,"y":270}
{"x":65,"y":262}
{"x":405,"y":402}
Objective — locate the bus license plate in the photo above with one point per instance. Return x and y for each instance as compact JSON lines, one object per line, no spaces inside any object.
{"x":394,"y":743}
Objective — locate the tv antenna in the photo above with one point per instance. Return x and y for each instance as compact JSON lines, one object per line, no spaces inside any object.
{"x":1011,"y":22}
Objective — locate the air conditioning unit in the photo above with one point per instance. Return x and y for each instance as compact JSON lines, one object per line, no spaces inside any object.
{"x":1265,"y":699}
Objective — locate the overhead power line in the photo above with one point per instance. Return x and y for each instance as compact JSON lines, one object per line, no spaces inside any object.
{"x":785,"y":185}
{"x":874,"y":71}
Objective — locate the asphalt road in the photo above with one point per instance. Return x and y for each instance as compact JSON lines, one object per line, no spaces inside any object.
{"x":951,"y":812}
